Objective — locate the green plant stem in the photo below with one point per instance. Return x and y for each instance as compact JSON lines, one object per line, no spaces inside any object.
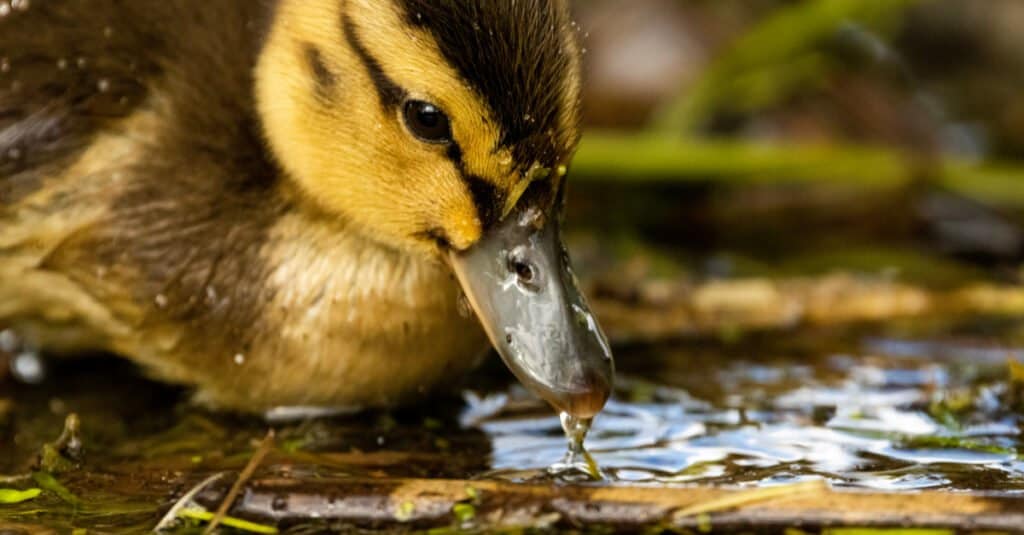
{"x":652,"y":158}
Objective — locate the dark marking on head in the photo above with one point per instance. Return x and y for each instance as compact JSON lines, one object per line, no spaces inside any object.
{"x":391,"y":95}
{"x":514,"y":54}
{"x":455,"y":154}
{"x":323,"y":78}
{"x":487,"y":198}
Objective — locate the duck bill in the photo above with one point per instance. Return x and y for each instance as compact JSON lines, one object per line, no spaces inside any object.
{"x":522,"y":288}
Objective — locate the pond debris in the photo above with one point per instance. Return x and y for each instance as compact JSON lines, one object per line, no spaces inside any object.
{"x":464,"y":512}
{"x":10,"y":480}
{"x":257,"y":457}
{"x":184,"y":502}
{"x":745,"y":498}
{"x":731,"y":307}
{"x":203,"y":515}
{"x":405,"y":511}
{"x":13,"y":496}
{"x":65,"y":453}
{"x":50,"y":483}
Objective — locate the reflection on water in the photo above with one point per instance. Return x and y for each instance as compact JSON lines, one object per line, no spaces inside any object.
{"x":891,"y":415}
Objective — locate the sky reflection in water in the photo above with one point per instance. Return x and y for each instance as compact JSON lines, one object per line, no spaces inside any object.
{"x":867,"y":421}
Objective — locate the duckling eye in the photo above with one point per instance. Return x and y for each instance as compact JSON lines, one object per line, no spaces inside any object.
{"x":427,"y":122}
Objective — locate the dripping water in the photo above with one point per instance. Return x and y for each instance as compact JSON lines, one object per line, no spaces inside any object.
{"x":577,"y":460}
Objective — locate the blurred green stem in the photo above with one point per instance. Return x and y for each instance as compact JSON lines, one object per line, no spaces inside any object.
{"x":655,"y":158}
{"x":774,"y":59}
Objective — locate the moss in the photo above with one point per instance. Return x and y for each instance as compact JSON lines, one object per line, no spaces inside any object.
{"x":464,"y":512}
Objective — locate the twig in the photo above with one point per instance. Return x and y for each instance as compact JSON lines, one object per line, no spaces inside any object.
{"x":741,"y":499}
{"x":247,"y":472}
{"x":182,"y":502}
{"x":7,"y":480}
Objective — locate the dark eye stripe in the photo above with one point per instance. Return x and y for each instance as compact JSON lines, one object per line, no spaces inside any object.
{"x":487,"y":198}
{"x":391,"y":95}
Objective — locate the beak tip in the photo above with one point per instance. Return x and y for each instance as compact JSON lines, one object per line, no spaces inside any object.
{"x":588,"y":400}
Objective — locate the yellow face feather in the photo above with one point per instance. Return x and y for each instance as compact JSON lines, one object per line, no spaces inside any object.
{"x":353,"y":156}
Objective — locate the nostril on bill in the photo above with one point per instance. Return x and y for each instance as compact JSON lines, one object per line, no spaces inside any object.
{"x":524,"y":271}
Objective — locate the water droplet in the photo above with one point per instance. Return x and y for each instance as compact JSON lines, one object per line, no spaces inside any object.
{"x":62,"y":64}
{"x":108,"y":32}
{"x":20,"y":5}
{"x":5,"y":8}
{"x":577,"y":459}
{"x":103,"y":85}
{"x":81,"y":62}
{"x":160,"y":300}
{"x":239,"y":359}
{"x":5,"y":65}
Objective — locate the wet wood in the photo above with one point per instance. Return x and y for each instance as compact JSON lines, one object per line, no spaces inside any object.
{"x":679,"y":309}
{"x":419,"y":504}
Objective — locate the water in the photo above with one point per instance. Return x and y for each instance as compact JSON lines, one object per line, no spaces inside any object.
{"x":899,"y":408}
{"x":873,"y":412}
{"x":577,"y":460}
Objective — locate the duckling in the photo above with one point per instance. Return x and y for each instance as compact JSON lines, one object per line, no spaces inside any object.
{"x":279,"y":202}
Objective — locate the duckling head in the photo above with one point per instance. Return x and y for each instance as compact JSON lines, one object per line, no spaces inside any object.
{"x":444,"y":129}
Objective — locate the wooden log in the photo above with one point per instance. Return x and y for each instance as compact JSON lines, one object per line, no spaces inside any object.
{"x":423,"y":504}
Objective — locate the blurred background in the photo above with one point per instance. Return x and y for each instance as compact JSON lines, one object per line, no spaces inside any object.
{"x":775,"y":163}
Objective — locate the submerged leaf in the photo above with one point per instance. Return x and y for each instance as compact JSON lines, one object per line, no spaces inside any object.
{"x":13,"y":496}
